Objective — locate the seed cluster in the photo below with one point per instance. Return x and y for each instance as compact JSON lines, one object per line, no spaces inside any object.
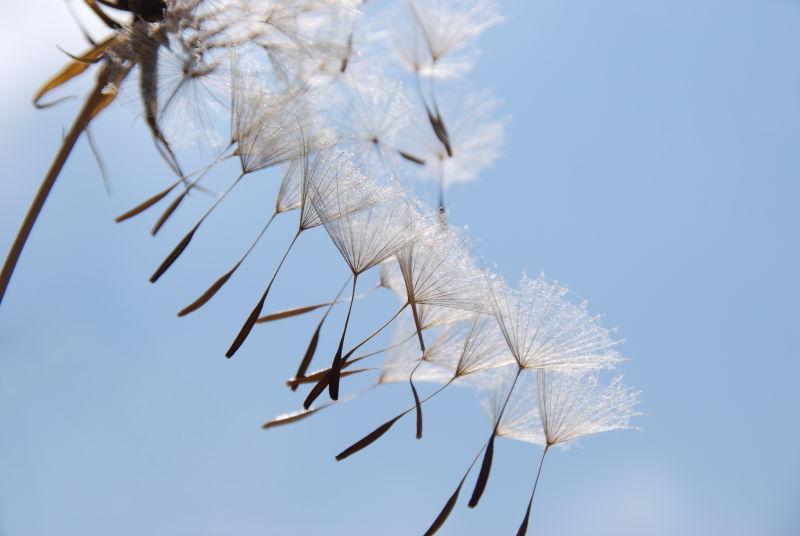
{"x":349,"y":99}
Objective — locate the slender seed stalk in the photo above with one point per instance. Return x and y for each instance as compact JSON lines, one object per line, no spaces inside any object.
{"x":153,"y":200}
{"x":325,"y":380}
{"x":523,"y":528}
{"x":382,"y":429}
{"x":296,"y":416}
{"x":178,"y":250}
{"x":217,"y":285}
{"x":289,"y":313}
{"x":188,"y":187}
{"x":375,"y":333}
{"x":319,"y":374}
{"x":147,"y":203}
{"x":483,"y":476}
{"x":256,"y":312}
{"x":486,"y":465}
{"x":451,"y":502}
{"x":379,"y":351}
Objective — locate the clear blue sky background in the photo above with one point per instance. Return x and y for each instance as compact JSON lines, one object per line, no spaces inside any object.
{"x":653,"y":165}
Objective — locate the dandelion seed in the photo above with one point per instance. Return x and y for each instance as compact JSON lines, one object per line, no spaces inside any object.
{"x":474,"y":137}
{"x":430,"y":317}
{"x":543,"y":331}
{"x":268,"y":127}
{"x":558,"y":408}
{"x":364,"y":238}
{"x":437,"y":270}
{"x":194,"y":184}
{"x":287,"y":200}
{"x":321,"y":174}
{"x":373,"y":110}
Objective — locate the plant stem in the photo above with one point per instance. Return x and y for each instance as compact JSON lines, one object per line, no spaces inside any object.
{"x":82,"y":121}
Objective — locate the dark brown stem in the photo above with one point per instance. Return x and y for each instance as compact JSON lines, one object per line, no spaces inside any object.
{"x":483,"y":474}
{"x":103,"y":16}
{"x":290,"y":313}
{"x":317,"y":390}
{"x":411,"y":158}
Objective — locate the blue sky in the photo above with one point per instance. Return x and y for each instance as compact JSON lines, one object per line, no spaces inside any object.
{"x":652,"y":164}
